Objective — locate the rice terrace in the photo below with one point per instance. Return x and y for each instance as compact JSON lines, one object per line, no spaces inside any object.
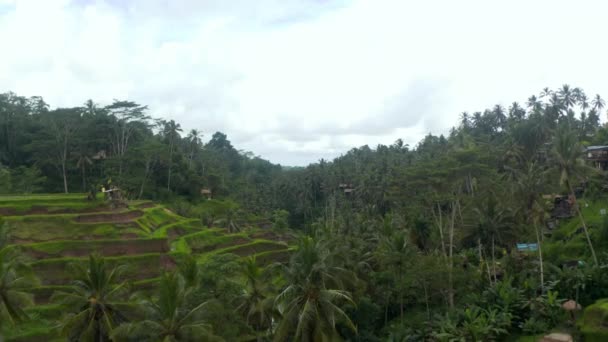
{"x":54,"y":232}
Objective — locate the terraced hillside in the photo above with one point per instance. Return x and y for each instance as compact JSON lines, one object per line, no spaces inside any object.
{"x":54,"y":231}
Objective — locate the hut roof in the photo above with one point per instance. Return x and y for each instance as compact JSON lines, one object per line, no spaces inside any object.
{"x":571,"y":305}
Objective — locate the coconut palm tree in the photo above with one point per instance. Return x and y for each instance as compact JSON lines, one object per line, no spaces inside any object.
{"x":170,"y":317}
{"x":82,"y":160}
{"x":194,"y":138}
{"x":93,"y":301}
{"x":394,"y":252}
{"x":310,"y":303}
{"x":171,"y":130}
{"x":546,"y":92}
{"x":529,"y":184}
{"x":598,"y":103}
{"x":256,"y":300}
{"x":566,"y":96}
{"x":566,"y":153}
{"x":583,"y":101}
{"x":14,"y":278}
{"x":494,"y":223}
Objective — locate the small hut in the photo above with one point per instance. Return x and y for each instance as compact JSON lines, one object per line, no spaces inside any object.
{"x":99,"y":155}
{"x":206,"y":193}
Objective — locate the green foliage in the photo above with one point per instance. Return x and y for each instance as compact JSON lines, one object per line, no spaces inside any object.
{"x":310,"y":304}
{"x":280,"y":220}
{"x":15,"y":277}
{"x":171,"y":317}
{"x":594,"y":322}
{"x":91,"y":301}
{"x":410,"y":243}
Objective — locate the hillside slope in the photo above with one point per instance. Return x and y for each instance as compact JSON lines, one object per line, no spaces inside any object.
{"x":55,"y":231}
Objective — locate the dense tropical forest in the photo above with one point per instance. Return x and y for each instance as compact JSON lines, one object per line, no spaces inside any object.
{"x":495,"y":232}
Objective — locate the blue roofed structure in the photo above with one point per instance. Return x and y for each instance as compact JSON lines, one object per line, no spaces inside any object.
{"x":527,"y":247}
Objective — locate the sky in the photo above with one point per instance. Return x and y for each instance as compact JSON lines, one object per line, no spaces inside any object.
{"x":295,"y":81}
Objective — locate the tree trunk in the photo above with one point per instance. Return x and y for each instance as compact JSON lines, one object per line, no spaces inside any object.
{"x":494,"y":260}
{"x":451,"y":259}
{"x":170,"y":164}
{"x":440,"y":226}
{"x":143,"y":182}
{"x":65,"y":178}
{"x":580,"y":215}
{"x":540,"y":257}
{"x":84,"y":179}
{"x":426,"y":301}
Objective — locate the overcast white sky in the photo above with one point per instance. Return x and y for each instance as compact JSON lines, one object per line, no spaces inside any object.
{"x":299,"y":80}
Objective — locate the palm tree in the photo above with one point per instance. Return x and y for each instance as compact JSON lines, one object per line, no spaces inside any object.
{"x":14,"y":278}
{"x":92,"y":299}
{"x":567,"y":161}
{"x":171,"y":130}
{"x":494,"y":224}
{"x":583,"y":101}
{"x":170,"y":317}
{"x":546,"y":92}
{"x":529,"y":184}
{"x":598,"y":103}
{"x":465,"y":120}
{"x":82,"y":160}
{"x":256,"y":301}
{"x":309,"y":305}
{"x":194,"y":138}
{"x":394,"y":252}
{"x":499,"y":114}
{"x":566,"y":96}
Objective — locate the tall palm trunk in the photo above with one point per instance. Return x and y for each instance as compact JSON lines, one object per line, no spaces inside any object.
{"x":540,"y":256}
{"x":451,"y":259}
{"x":170,"y":165}
{"x":580,"y":215}
{"x":65,"y":178}
{"x":84,"y":179}
{"x":143,"y":181}
{"x":494,"y":260}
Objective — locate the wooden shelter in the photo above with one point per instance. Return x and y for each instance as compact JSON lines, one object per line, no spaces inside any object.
{"x":206,"y":193}
{"x":598,"y":156}
{"x":99,"y":155}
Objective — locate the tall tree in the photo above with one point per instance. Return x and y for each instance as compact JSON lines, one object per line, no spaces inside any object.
{"x":566,"y":152}
{"x":93,"y":301}
{"x":310,"y":304}
{"x":15,"y":278}
{"x":171,"y":131}
{"x":171,"y":317}
{"x":194,"y":140}
{"x":129,"y":117}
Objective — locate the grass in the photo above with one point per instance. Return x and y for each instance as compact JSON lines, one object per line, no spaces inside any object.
{"x":257,"y":246}
{"x":28,"y":229}
{"x":186,"y":225}
{"x":268,"y":257}
{"x":209,"y":241}
{"x":57,"y":249}
{"x":57,"y":271}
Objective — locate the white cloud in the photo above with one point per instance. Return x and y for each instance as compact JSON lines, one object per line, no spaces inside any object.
{"x":299,"y":80}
